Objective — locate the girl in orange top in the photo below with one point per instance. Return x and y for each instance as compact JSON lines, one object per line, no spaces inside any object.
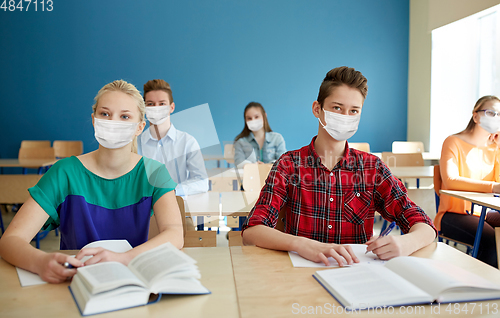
{"x":470,"y":161}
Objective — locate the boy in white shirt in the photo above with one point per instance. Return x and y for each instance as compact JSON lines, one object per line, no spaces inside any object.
{"x":178,"y":150}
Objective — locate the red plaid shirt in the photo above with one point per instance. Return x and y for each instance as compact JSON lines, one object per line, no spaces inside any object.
{"x":334,"y":206}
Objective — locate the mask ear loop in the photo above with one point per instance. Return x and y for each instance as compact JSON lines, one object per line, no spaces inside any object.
{"x":321,"y":123}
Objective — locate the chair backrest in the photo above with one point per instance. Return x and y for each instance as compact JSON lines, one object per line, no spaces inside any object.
{"x":14,"y":187}
{"x":407,"y":146}
{"x":37,"y":153}
{"x":35,"y":143}
{"x":191,"y":238}
{"x":402,"y":159}
{"x":437,"y":184}
{"x":229,"y":153}
{"x":280,"y":224}
{"x":64,"y":148}
{"x":363,"y":146}
{"x":255,"y":175}
{"x":153,"y":225}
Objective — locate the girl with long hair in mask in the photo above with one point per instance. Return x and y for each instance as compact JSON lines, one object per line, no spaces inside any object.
{"x":257,"y":142}
{"x":470,"y":161}
{"x":109,"y":193}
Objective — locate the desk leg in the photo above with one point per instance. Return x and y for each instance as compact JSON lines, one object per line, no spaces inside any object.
{"x":479,"y":232}
{"x":201,"y":222}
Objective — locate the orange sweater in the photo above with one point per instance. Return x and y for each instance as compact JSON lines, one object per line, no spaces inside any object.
{"x":465,"y":167}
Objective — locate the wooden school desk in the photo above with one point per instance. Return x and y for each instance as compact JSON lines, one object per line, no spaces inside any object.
{"x":485,"y":200}
{"x":26,"y":163}
{"x":237,"y":204}
{"x":55,"y":300}
{"x":268,"y":285}
{"x":203,"y":205}
{"x":413,"y":172}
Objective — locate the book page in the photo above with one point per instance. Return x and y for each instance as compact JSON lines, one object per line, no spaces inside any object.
{"x":358,"y":249}
{"x":106,"y":276}
{"x":437,"y":277}
{"x":366,"y":286}
{"x":117,"y":246}
{"x":159,"y":261}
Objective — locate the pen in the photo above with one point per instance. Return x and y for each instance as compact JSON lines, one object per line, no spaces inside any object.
{"x":67,"y":265}
{"x":386,"y":231}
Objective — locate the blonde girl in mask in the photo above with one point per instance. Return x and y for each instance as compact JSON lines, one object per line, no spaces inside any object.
{"x":109,"y":193}
{"x":470,"y":161}
{"x":257,"y":142}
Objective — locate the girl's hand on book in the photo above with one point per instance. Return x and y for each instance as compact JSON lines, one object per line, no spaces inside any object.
{"x":386,"y":247}
{"x":319,"y":252}
{"x":100,"y":255}
{"x":52,"y":270}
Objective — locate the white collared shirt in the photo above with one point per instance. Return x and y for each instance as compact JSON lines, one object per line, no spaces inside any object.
{"x":181,"y":154}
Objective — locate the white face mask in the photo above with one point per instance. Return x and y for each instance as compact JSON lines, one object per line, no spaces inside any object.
{"x":490,"y":124}
{"x":340,"y":127}
{"x":114,"y":134}
{"x":157,"y":115}
{"x":256,"y":124}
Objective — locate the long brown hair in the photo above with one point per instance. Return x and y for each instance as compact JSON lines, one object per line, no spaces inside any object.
{"x":245,"y":132}
{"x":480,"y":102}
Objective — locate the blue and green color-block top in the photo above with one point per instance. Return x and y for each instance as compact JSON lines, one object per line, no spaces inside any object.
{"x":87,"y":207}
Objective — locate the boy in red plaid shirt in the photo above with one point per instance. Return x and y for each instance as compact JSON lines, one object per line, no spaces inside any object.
{"x":330,"y":192}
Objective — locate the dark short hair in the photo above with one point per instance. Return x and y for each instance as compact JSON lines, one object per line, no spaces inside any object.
{"x":158,"y":85}
{"x":342,"y":76}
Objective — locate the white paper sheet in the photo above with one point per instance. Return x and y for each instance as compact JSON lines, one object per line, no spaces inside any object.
{"x":27,"y":278}
{"x":358,"y":249}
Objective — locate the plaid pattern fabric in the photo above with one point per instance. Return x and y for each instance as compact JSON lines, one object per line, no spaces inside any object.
{"x":334,"y":206}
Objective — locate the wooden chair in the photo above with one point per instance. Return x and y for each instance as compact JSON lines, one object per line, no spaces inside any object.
{"x":362,"y":146}
{"x":235,"y":239}
{"x":36,"y":153}
{"x":64,"y":148}
{"x":35,"y":144}
{"x":255,"y":175}
{"x":437,"y":186}
{"x":14,"y":190}
{"x":407,"y":147}
{"x":191,"y":238}
{"x":229,"y":153}
{"x":392,"y":159}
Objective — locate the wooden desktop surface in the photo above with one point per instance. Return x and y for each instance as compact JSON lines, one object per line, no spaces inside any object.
{"x":269,"y":286}
{"x":26,"y":163}
{"x":238,"y":203}
{"x":203,"y":204}
{"x":55,"y":300}
{"x":484,"y":199}
{"x":413,"y":172}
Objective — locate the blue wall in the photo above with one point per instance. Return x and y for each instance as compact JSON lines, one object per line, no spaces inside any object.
{"x":224,"y":53}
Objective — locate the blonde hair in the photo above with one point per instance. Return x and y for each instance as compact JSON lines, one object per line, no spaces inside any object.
{"x":126,"y":88}
{"x":480,"y":102}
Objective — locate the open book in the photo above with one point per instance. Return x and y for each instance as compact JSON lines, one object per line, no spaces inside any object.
{"x":112,"y":286}
{"x":27,"y":278}
{"x":402,"y":281}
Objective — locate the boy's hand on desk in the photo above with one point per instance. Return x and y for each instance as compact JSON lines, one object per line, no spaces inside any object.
{"x":100,"y":255}
{"x":319,"y":252}
{"x":387,"y":247}
{"x":52,"y":270}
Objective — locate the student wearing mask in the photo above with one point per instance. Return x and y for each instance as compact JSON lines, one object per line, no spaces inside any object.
{"x":257,"y":142}
{"x":470,"y":161}
{"x":109,"y":193}
{"x":330,"y":192}
{"x":178,"y":150}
